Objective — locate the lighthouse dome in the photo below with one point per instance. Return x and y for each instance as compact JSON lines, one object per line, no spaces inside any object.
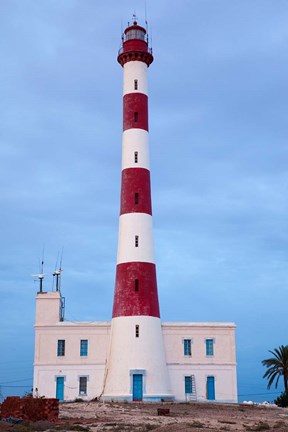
{"x":135,"y":32}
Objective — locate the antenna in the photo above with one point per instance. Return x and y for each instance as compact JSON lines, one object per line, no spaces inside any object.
{"x":56,"y":265}
{"x":58,"y":272}
{"x":40,"y":275}
{"x":146,"y":23}
{"x":122,"y":32}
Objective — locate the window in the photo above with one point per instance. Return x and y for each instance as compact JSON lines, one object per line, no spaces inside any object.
{"x":137,"y":331}
{"x":188,"y":384}
{"x":136,"y":241}
{"x":135,"y":157}
{"x":136,"y":285}
{"x":209,"y":347}
{"x":83,"y":385}
{"x":61,"y":348}
{"x":135,"y":117}
{"x":187,"y":347}
{"x":83,"y":347}
{"x":136,"y":197}
{"x":135,"y":84}
{"x":135,"y":34}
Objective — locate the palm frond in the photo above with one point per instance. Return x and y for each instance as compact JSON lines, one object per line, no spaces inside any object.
{"x":277,"y":366}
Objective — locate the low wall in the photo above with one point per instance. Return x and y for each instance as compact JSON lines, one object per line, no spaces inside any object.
{"x":29,"y":408}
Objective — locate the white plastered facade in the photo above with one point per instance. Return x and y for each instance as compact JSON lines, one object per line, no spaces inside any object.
{"x":48,"y":365}
{"x":130,"y":226}
{"x":143,"y":354}
{"x":136,"y":354}
{"x":135,"y":70}
{"x":135,"y":141}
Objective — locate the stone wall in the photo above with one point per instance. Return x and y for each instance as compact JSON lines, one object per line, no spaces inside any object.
{"x":29,"y":408}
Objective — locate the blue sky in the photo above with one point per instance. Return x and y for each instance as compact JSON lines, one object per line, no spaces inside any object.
{"x":218,"y":136}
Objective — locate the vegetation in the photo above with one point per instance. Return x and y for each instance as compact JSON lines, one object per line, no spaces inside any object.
{"x":277,"y":367}
{"x":282,"y":400}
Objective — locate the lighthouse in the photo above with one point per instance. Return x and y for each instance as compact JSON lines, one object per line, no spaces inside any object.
{"x":134,"y":357}
{"x":137,"y":367}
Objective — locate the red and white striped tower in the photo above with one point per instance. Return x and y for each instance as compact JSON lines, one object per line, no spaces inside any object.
{"x":136,"y":365}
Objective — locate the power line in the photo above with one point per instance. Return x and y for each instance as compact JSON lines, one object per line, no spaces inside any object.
{"x":258,"y":394}
{"x":14,"y":361}
{"x":16,"y":386}
{"x":15,"y":381}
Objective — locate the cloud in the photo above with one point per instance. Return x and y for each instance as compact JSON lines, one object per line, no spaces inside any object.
{"x":218,"y":133}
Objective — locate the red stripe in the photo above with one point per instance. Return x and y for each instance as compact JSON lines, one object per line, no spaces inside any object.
{"x":127,"y":301}
{"x":135,"y":50}
{"x":136,"y":181}
{"x":145,"y":57}
{"x":135,"y":45}
{"x":135,"y":103}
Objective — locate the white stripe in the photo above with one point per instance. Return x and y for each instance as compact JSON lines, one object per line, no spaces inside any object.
{"x":145,"y":353}
{"x":135,"y":70}
{"x":131,"y":225}
{"x":135,"y":140}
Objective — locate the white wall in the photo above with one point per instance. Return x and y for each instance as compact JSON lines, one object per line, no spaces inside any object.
{"x":131,"y":224}
{"x":135,"y":70}
{"x":222,"y":365}
{"x":47,"y":307}
{"x":135,"y":140}
{"x":47,"y":365}
{"x":145,"y":353}
{"x":45,"y":380}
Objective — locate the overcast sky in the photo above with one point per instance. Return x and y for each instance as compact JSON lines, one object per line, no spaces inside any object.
{"x":218,"y":134}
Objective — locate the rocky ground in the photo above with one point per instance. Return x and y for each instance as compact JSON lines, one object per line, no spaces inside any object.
{"x":139,"y":417}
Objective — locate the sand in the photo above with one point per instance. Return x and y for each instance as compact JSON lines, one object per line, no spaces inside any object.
{"x":140,"y":417}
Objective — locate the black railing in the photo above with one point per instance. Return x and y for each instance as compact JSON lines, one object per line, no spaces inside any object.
{"x":149,"y":50}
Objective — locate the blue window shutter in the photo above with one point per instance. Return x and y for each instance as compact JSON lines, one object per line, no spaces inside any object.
{"x":209,"y":347}
{"x":187,"y":347}
{"x":61,"y":348}
{"x":83,"y":347}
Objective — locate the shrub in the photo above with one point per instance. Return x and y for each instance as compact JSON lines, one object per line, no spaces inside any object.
{"x":282,"y":400}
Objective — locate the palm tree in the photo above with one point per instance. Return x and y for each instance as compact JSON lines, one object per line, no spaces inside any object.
{"x":277,"y":366}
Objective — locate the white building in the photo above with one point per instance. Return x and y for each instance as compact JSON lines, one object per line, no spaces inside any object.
{"x":71,"y":359}
{"x":135,"y":357}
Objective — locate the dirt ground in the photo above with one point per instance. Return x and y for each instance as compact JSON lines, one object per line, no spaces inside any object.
{"x":139,"y":417}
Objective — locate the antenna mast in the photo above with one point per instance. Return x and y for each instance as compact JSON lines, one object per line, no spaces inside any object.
{"x":146,"y":24}
{"x":40,"y":276}
{"x":58,"y":272}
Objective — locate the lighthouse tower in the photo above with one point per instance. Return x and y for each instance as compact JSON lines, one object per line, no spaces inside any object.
{"x":136,"y":367}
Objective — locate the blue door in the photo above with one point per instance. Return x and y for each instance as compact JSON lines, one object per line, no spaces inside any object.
{"x":210,"y":388}
{"x":137,"y":387}
{"x":188,"y":384}
{"x":60,"y":388}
